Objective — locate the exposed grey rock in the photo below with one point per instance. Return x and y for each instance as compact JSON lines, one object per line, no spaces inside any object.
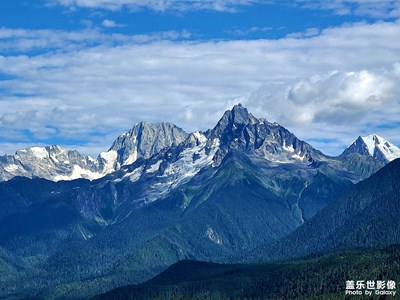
{"x":358,"y":147}
{"x":57,"y":163}
{"x":239,"y":129}
{"x":169,"y":149}
{"x":51,"y":162}
{"x":143,"y":141}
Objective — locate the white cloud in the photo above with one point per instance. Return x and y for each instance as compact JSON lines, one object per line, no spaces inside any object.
{"x":23,"y":40}
{"x":310,"y":32}
{"x":371,"y":8}
{"x":110,"y":24}
{"x":243,"y":32}
{"x":26,"y":40}
{"x":339,"y":105}
{"x":157,"y":5}
{"x":96,"y":92}
{"x":380,"y":9}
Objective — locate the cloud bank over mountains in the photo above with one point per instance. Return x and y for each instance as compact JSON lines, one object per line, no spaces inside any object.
{"x":58,"y":85}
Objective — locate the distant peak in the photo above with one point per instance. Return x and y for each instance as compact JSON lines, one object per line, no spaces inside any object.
{"x":239,"y":115}
{"x":238,"y":106}
{"x":239,"y":111}
{"x":375,"y":146}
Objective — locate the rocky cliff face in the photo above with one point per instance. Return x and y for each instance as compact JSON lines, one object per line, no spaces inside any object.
{"x":239,"y":129}
{"x":142,"y":141}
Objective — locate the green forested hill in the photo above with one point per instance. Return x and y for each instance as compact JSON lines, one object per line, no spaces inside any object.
{"x":322,"y":277}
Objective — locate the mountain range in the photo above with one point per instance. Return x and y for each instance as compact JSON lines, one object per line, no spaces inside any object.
{"x":73,"y":226}
{"x":144,"y":140}
{"x":57,"y":163}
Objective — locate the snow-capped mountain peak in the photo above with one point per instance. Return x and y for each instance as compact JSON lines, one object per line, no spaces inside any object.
{"x":378,"y":146}
{"x":374,"y":146}
{"x":143,"y":140}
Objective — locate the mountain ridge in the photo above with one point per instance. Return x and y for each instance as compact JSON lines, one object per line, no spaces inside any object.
{"x":57,"y":163}
{"x":240,"y":128}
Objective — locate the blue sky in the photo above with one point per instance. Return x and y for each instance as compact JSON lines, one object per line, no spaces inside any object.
{"x":80,"y":72}
{"x":271,"y":20}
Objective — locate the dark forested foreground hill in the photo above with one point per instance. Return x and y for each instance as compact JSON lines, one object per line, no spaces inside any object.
{"x":369,"y":215}
{"x":322,"y":277}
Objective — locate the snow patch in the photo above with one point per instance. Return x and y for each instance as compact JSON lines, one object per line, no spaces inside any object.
{"x":189,"y":162}
{"x":154,"y":168}
{"x":39,"y":152}
{"x":135,"y":175}
{"x":187,"y":166}
{"x":213,"y":236}
{"x":287,"y":148}
{"x":132,"y":158}
{"x":109,"y":158}
{"x":11,"y":168}
{"x":370,"y":143}
{"x":298,"y":157}
{"x":200,"y":137}
{"x":78,"y":172}
{"x":134,"y":154}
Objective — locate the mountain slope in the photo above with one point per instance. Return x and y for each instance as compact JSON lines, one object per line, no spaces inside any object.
{"x":313,"y":278}
{"x":190,"y":223}
{"x":369,"y":215}
{"x":220,"y":214}
{"x":37,"y":217}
